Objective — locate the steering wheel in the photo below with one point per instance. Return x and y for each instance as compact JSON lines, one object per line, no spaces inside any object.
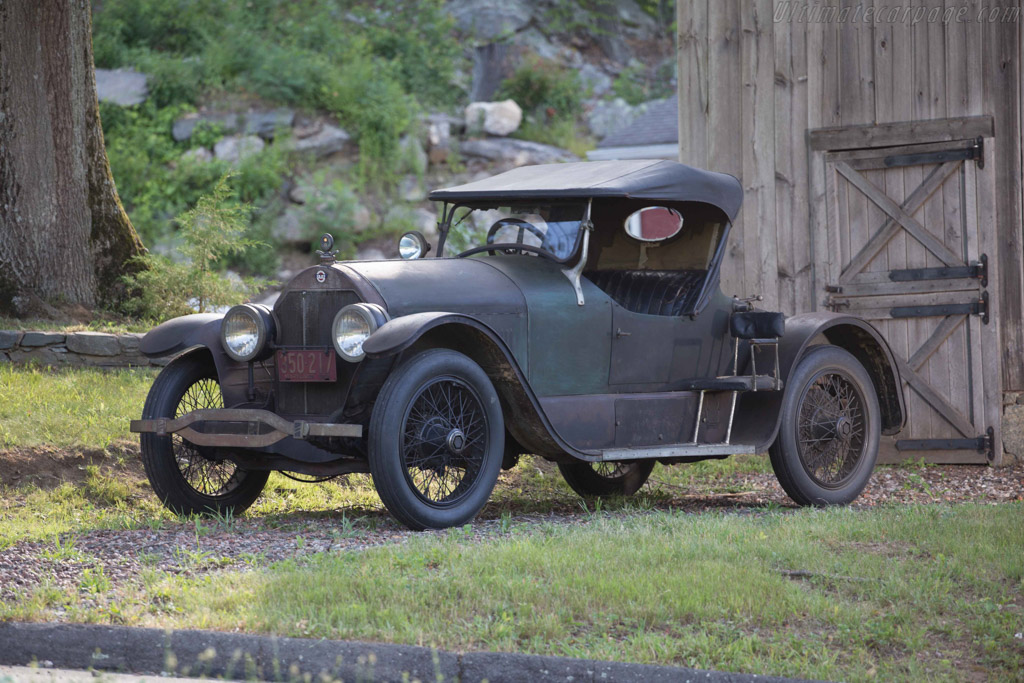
{"x":523,"y":227}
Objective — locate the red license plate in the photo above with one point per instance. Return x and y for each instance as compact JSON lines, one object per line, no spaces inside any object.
{"x":306,"y":365}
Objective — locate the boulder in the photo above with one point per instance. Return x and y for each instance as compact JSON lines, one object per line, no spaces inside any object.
{"x":362,"y":219}
{"x":411,"y":189}
{"x":535,"y":42}
{"x":489,"y":19}
{"x":492,"y":64}
{"x":494,"y":118}
{"x":289,"y":228}
{"x":235,"y":148}
{"x":184,"y":127}
{"x":197,"y":154}
{"x":130,"y":341}
{"x":328,"y":140}
{"x":126,"y":87}
{"x":426,"y":222}
{"x":41,"y":339}
{"x":595,"y":82}
{"x":9,"y":339}
{"x":610,"y":115}
{"x":516,"y":152}
{"x":266,"y":123}
{"x":439,"y":139}
{"x":93,"y":343}
{"x":414,"y":157}
{"x":370,"y":254}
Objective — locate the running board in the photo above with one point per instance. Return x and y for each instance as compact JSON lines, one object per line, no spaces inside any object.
{"x":696,"y":450}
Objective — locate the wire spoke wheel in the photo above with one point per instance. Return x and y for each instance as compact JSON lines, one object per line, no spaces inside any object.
{"x":444,"y":441}
{"x":205,"y":475}
{"x":831,"y":429}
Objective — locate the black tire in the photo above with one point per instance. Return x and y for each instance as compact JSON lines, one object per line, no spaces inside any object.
{"x":828,"y":441}
{"x":602,"y":479}
{"x":188,"y":479}
{"x":427,"y":477}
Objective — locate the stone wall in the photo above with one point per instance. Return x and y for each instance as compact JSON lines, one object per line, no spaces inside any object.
{"x":74,"y":349}
{"x":1013,"y":427}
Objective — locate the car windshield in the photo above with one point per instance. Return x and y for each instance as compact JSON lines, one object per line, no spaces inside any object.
{"x":551,"y":228}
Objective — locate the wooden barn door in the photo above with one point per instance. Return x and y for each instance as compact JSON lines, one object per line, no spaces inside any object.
{"x":911,"y":246}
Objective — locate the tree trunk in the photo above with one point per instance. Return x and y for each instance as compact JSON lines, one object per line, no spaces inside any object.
{"x":64,"y":235}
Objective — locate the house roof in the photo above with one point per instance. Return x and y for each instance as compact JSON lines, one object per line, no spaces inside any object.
{"x":658,"y":125}
{"x":654,"y":179}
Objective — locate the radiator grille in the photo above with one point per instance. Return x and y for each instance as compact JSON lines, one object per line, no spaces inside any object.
{"x":304,"y":319}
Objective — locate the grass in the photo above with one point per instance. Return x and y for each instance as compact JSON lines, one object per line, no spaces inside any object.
{"x":69,"y":408}
{"x":908,"y":593}
{"x":109,"y":326}
{"x":904,"y":593}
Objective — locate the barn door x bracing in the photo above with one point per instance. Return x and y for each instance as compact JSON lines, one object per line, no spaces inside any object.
{"x":911,"y":232}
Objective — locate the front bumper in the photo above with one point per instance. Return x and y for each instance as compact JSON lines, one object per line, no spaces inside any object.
{"x":241,"y":428}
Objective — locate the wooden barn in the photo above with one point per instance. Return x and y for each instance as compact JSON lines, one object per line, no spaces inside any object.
{"x":879,"y":145}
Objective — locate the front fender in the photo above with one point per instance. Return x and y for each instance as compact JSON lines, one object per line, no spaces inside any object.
{"x":759,"y":413}
{"x":399,"y":334}
{"x":176,"y":335}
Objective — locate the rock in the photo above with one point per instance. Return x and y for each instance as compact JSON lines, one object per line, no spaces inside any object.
{"x":266,"y":123}
{"x":300,"y":193}
{"x":426,"y":220}
{"x":439,"y":138}
{"x":184,"y":127}
{"x":594,"y":81}
{"x":489,"y":19}
{"x":362,"y":219}
{"x":414,"y":157}
{"x":411,"y":189}
{"x":494,"y":118}
{"x":491,"y":65}
{"x":328,"y":140}
{"x":516,"y":152}
{"x":93,"y":343}
{"x":289,"y":228}
{"x":130,"y":341}
{"x":535,"y":42}
{"x":197,"y":154}
{"x":9,"y":339}
{"x":370,"y":254}
{"x":235,"y":148}
{"x":41,"y":339}
{"x":1013,"y":430}
{"x":126,"y":87}
{"x":607,"y":116}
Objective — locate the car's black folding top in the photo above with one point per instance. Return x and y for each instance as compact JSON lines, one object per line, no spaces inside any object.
{"x":650,"y":179}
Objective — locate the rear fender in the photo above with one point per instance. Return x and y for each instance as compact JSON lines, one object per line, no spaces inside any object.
{"x":524,"y":417}
{"x":758,"y":414}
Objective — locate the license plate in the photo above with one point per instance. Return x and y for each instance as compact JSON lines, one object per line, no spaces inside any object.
{"x":306,"y":365}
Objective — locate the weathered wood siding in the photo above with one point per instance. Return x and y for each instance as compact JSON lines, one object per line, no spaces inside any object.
{"x":752,"y":87}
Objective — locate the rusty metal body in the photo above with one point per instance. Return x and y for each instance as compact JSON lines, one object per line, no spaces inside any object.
{"x":644,"y":367}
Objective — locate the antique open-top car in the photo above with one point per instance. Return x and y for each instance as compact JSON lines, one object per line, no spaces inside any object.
{"x":571,"y":311}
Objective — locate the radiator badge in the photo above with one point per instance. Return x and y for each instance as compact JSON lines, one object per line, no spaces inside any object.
{"x":321,"y":276}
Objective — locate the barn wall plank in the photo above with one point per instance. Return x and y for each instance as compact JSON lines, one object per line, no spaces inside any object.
{"x":785,"y":150}
{"x":902,"y":132}
{"x":724,"y":130}
{"x":692,"y":46}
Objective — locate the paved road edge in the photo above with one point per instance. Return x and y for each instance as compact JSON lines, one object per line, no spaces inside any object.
{"x":242,"y":656}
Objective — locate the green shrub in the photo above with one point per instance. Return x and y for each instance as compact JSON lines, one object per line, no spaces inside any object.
{"x":545,"y":90}
{"x":636,"y":83}
{"x":214,"y":230}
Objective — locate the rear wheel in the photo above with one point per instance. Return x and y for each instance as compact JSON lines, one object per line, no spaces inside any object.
{"x":192,"y":479}
{"x":606,"y":478}
{"x":828,"y":442}
{"x":436,"y":440}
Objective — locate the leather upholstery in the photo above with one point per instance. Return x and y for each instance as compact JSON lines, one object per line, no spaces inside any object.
{"x":653,"y":292}
{"x":757,"y":325}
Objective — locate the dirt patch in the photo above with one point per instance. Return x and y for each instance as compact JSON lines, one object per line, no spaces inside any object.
{"x":48,"y":468}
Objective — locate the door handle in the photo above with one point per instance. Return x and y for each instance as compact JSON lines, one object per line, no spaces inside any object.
{"x":619,"y":333}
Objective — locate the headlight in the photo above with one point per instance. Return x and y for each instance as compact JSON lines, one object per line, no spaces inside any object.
{"x":245,"y":331}
{"x":352,"y":326}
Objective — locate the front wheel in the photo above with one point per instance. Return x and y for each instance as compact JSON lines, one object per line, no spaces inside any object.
{"x":192,"y":479}
{"x":436,"y":440}
{"x":828,"y":442}
{"x":602,"y":479}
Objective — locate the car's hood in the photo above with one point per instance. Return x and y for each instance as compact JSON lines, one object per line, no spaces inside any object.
{"x":457,"y":285}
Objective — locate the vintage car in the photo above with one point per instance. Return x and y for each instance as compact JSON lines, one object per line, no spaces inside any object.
{"x":570,"y":311}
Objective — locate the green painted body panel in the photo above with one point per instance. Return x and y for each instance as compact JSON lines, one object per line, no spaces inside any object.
{"x":569,"y":345}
